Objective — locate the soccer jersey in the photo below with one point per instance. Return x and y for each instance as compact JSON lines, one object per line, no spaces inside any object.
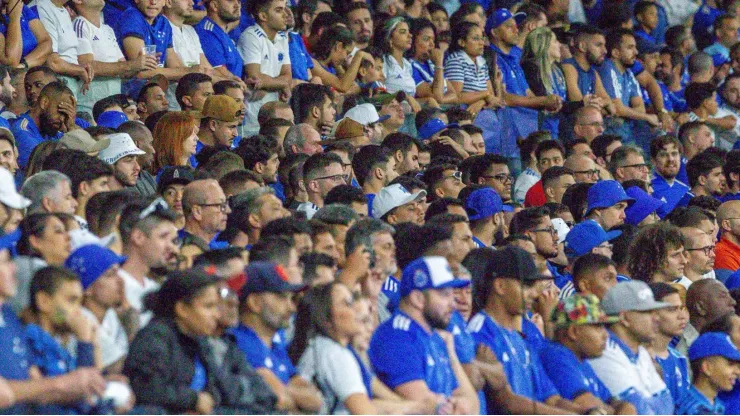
{"x":219,"y":48}
{"x":259,"y":355}
{"x":102,"y":43}
{"x":159,"y":33}
{"x":570,"y":375}
{"x":58,"y":24}
{"x":399,"y":77}
{"x":675,"y":373}
{"x":27,"y":37}
{"x":670,"y":194}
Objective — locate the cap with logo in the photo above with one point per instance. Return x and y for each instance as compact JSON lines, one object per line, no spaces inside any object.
{"x":92,"y":261}
{"x":580,"y":310}
{"x":222,"y":108}
{"x":604,"y":194}
{"x":426,"y":273}
{"x":393,"y":196}
{"x":644,"y":205}
{"x":111,"y":119}
{"x":499,"y":16}
{"x":712,"y":344}
{"x":79,"y":139}
{"x":585,"y":236}
{"x":9,"y":194}
{"x":348,"y":129}
{"x":173,"y":175}
{"x":483,"y":203}
{"x":265,"y":276}
{"x":634,"y":295}
{"x":121,"y":145}
{"x":513,"y":263}
{"x":431,"y":127}
{"x":365,"y":114}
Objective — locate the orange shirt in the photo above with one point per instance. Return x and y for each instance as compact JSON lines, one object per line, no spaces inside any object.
{"x":728,"y":255}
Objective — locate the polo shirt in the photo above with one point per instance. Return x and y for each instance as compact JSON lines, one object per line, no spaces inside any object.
{"x":58,"y":24}
{"x":300,"y":60}
{"x":535,"y":196}
{"x":727,"y":255}
{"x":523,"y":368}
{"x":586,"y":78}
{"x":464,"y":343}
{"x":102,"y":43}
{"x":219,"y":48}
{"x":695,"y":402}
{"x":670,"y":194}
{"x":571,"y":375}
{"x":390,"y":290}
{"x":14,"y":343}
{"x":259,"y":355}
{"x":256,"y":48}
{"x":402,"y":351}
{"x":159,"y":33}
{"x":460,"y":67}
{"x":675,"y":373}
{"x":28,"y":14}
{"x":398,"y":76}
{"x":27,"y":137}
{"x":632,"y":377}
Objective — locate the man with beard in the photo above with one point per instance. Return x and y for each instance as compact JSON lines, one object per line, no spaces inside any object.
{"x":412,"y":353}
{"x":146,"y":185}
{"x":535,"y":223}
{"x":361,"y":23}
{"x":374,"y":167}
{"x":213,"y":31}
{"x":52,"y":115}
{"x":314,"y":105}
{"x":726,"y":30}
{"x":266,"y":307}
{"x":626,"y":367}
{"x":260,"y":155}
{"x":621,"y":85}
{"x":705,"y":177}
{"x":121,"y":154}
{"x":730,"y":93}
{"x":266,"y":54}
{"x":666,"y":158}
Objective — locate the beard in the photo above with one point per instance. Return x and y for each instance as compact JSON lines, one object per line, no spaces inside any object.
{"x":124,"y":179}
{"x":435,"y":321}
{"x":6,"y":98}
{"x":47,"y":126}
{"x":229,"y":18}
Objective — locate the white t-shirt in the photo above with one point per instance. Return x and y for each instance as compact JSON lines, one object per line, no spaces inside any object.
{"x":187,"y":45}
{"x":102,"y":43}
{"x":135,"y":293}
{"x":111,"y":335}
{"x":399,"y":77}
{"x":256,"y":48}
{"x":526,"y":180}
{"x":336,"y":370}
{"x":58,"y":23}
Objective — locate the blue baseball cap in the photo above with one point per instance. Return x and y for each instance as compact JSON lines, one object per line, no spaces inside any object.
{"x":483,"y":203}
{"x":644,"y":205}
{"x":91,"y":261}
{"x":111,"y":119}
{"x":646,"y":46}
{"x":604,"y":194}
{"x":265,"y":276}
{"x":499,"y":16}
{"x":431,"y":127}
{"x":585,"y":236}
{"x":8,"y":241}
{"x":713,"y":344}
{"x":718,"y":60}
{"x":426,"y":273}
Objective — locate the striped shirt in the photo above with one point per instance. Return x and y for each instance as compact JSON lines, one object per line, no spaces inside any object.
{"x":460,"y":67}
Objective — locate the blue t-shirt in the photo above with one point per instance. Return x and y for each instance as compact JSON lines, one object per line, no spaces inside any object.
{"x":523,"y":368}
{"x":586,"y":79}
{"x":402,"y":351}
{"x":618,"y":85}
{"x":464,"y":343}
{"x":675,"y":373}
{"x":390,"y":290}
{"x":695,"y":403}
{"x":14,"y":343}
{"x":703,"y":28}
{"x":570,"y":375}
{"x":670,"y":194}
{"x":731,"y":400}
{"x":300,"y":59}
{"x":515,"y":82}
{"x":219,"y":48}
{"x":51,"y":358}
{"x":133,"y":23}
{"x":260,"y":356}
{"x":113,"y":9}
{"x":29,"y":40}
{"x":27,"y":137}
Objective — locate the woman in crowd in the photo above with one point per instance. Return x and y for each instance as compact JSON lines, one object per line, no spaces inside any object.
{"x":24,"y":43}
{"x":39,"y":155}
{"x":175,"y":140}
{"x":428,"y":66}
{"x":394,"y":39}
{"x":331,"y":53}
{"x":439,"y":17}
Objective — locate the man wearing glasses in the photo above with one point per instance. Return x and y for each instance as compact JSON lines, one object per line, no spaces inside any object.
{"x":627,"y":163}
{"x":321,"y":173}
{"x":443,"y":181}
{"x":206,"y":209}
{"x":699,"y":254}
{"x":535,"y":223}
{"x":583,"y":167}
{"x":728,"y":248}
{"x":493,"y":170}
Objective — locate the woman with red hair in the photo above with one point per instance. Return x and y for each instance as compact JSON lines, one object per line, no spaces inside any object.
{"x":175,"y":139}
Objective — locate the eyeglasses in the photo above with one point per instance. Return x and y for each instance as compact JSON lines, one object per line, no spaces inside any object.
{"x":707,"y":250}
{"x":336,"y":178}
{"x":592,"y":173}
{"x":222,"y":206}
{"x":550,"y":230}
{"x":501,"y":177}
{"x":456,"y":175}
{"x":638,"y":166}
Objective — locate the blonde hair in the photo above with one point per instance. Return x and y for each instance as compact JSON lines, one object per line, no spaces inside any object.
{"x":536,"y":49}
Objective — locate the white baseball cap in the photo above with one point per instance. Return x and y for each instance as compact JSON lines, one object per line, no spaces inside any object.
{"x":561,"y":228}
{"x":8,"y":193}
{"x":365,"y":114}
{"x":121,"y":145}
{"x":393,"y":196}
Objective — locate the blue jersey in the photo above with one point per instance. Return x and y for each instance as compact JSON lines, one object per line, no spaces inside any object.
{"x":300,"y":59}
{"x":53,"y":359}
{"x":525,"y":120}
{"x":523,"y":368}
{"x":464,"y":343}
{"x":27,"y":137}
{"x":478,"y":243}
{"x":274,"y":358}
{"x":586,"y":78}
{"x":14,"y":343}
{"x":683,"y":176}
{"x":29,"y":39}
{"x":402,"y":351}
{"x":132,"y":23}
{"x":621,"y":85}
{"x":390,"y":290}
{"x":703,"y":28}
{"x":219,"y":48}
{"x":695,"y":403}
{"x":113,"y":9}
{"x":423,"y":71}
{"x":731,"y":400}
{"x":570,"y":375}
{"x":670,"y":194}
{"x":675,"y":373}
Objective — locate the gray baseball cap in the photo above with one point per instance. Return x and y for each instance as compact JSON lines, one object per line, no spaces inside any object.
{"x":631,"y":296}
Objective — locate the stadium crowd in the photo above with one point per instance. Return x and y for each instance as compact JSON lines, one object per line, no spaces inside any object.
{"x":370,"y":207}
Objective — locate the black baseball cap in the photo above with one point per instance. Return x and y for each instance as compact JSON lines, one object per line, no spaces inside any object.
{"x":265,"y":276}
{"x":174,"y":175}
{"x":514,"y":263}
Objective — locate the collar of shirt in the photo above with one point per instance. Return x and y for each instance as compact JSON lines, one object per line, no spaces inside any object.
{"x":632,"y":356}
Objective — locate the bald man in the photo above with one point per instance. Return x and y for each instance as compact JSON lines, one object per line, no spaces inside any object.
{"x":206,"y":209}
{"x":700,"y":256}
{"x":728,"y":248}
{"x":706,"y":300}
{"x":584,"y":168}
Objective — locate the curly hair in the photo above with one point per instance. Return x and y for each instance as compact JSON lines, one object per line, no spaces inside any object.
{"x":649,"y":249}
